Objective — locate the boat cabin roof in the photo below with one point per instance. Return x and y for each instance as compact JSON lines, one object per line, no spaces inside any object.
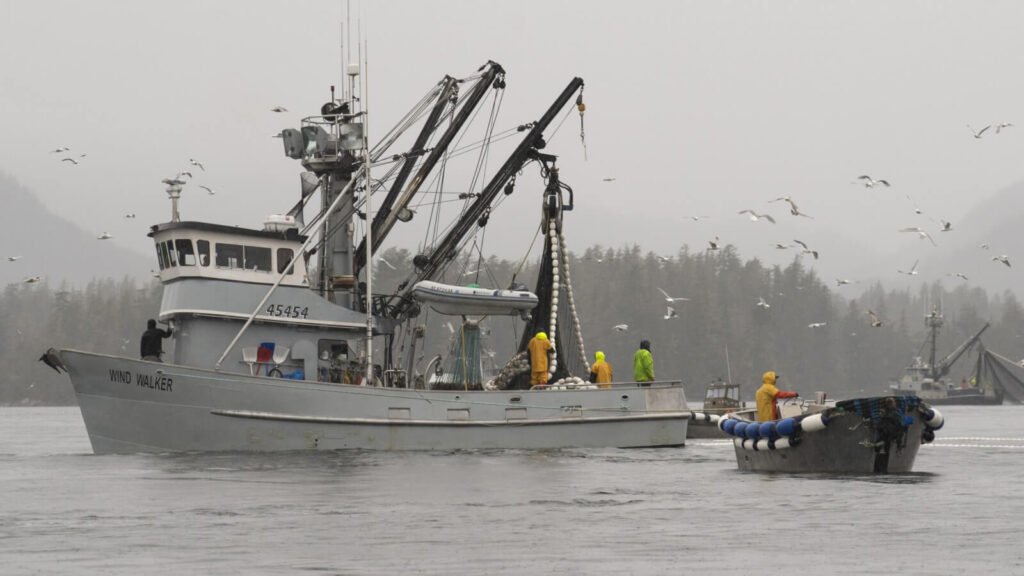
{"x":217,"y":252}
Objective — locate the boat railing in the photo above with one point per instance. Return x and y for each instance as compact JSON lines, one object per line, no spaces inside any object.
{"x":614,"y":385}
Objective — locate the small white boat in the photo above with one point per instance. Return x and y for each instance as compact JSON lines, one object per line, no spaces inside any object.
{"x":472,"y":301}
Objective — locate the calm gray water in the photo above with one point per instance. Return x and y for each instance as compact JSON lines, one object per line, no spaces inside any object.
{"x":664,"y":511}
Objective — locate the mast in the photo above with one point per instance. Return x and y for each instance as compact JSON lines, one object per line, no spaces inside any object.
{"x":933,"y":321}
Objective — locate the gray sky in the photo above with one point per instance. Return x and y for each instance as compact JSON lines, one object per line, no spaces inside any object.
{"x":696,"y":108}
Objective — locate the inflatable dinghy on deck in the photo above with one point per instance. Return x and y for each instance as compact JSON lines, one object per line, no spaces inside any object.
{"x":471,"y":301}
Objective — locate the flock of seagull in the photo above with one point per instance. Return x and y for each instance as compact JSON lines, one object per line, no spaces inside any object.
{"x":181,"y":178}
{"x":865,"y":180}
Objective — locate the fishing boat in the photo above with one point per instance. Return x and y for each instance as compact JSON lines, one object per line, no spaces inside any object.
{"x":720,"y":398}
{"x":278,"y":341}
{"x":929,"y":379}
{"x":875,"y":435}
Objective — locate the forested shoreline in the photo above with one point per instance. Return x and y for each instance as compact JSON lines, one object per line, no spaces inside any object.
{"x":844,"y":356}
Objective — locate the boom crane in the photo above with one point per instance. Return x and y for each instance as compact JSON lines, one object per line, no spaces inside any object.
{"x":943,"y":366}
{"x":427,"y":265}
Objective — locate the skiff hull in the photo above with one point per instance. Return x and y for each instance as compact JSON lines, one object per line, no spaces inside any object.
{"x":137,"y":406}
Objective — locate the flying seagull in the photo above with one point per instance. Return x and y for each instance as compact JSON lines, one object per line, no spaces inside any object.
{"x":32,"y":279}
{"x":184,"y":173}
{"x":59,"y":150}
{"x":783,"y":246}
{"x":130,"y":215}
{"x":671,"y":299}
{"x":13,"y":258}
{"x":875,"y":320}
{"x":792,"y":206}
{"x":921,"y":233}
{"x":946,"y":225}
{"x":912,"y":271}
{"x":208,"y":190}
{"x":960,"y":275}
{"x":278,"y":109}
{"x":696,"y":218}
{"x":1004,"y":259}
{"x":984,"y":246}
{"x":816,"y":324}
{"x":195,"y":162}
{"x":841,"y":282}
{"x":870,"y":182}
{"x":762,"y":304}
{"x":386,"y":263}
{"x":105,"y":236}
{"x":978,"y":133}
{"x":1003,"y":125}
{"x":671,"y":313}
{"x":754,"y":216}
{"x":621,"y":327}
{"x":608,"y":179}
{"x":72,"y":160}
{"x":713,"y":244}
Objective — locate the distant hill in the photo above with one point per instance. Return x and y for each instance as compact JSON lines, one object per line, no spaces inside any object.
{"x":55,"y":248}
{"x":995,"y":221}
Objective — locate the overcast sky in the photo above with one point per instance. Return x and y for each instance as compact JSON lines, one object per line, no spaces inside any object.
{"x":695,"y":108}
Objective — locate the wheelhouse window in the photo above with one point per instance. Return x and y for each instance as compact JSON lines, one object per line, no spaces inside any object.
{"x":229,"y":255}
{"x":173,"y":258}
{"x":257,"y":258}
{"x":165,"y":255}
{"x":284,"y":256}
{"x":160,"y":255}
{"x":186,"y":256}
{"x":204,"y":252}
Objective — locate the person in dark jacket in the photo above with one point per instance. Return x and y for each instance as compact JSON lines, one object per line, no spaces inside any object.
{"x":152,"y":342}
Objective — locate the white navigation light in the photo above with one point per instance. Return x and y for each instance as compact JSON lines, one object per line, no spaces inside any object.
{"x":353,"y":69}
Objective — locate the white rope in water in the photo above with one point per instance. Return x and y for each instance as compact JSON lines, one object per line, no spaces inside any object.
{"x":572,"y":303}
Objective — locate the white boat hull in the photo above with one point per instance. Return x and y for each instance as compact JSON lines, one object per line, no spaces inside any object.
{"x":136,"y":406}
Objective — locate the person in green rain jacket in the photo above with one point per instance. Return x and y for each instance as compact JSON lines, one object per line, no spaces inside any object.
{"x":643,"y":363}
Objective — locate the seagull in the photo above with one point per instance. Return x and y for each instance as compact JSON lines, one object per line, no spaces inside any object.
{"x":154,"y":273}
{"x":130,"y":215}
{"x":33,"y":279}
{"x":195,"y":162}
{"x":792,"y":206}
{"x":960,"y":275}
{"x":184,"y":173}
{"x":696,"y":218}
{"x":912,"y":271}
{"x":984,"y":246}
{"x":762,"y":304}
{"x":1003,"y":125}
{"x":870,"y":182}
{"x":671,"y":299}
{"x":754,"y":216}
{"x":875,"y":321}
{"x":811,"y":252}
{"x":816,"y":324}
{"x":671,"y":313}
{"x":470,"y":272}
{"x":105,"y":236}
{"x":664,"y":259}
{"x":279,"y":109}
{"x":946,"y":226}
{"x":620,"y":327}
{"x":594,"y":258}
{"x":713,"y":244}
{"x":921,"y":233}
{"x":841,"y":282}
{"x":13,"y":258}
{"x":72,"y":160}
{"x":1004,"y":259}
{"x":977,"y":134}
{"x":208,"y":190}
{"x":59,"y":150}
{"x":386,"y":263}
{"x":783,"y":246}
{"x":52,"y":359}
{"x":608,"y":179}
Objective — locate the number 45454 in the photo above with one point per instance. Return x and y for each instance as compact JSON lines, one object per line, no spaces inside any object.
{"x":288,"y":311}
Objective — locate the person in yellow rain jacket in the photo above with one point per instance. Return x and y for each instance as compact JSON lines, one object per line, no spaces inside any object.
{"x":601,"y":371}
{"x":539,"y":347}
{"x":766,"y":396}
